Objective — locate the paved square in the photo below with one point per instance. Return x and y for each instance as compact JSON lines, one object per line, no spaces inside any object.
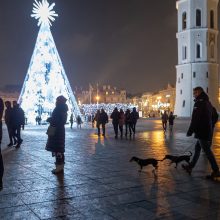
{"x":100,"y":183}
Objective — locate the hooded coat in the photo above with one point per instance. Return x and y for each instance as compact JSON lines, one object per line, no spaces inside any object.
{"x":56,"y":143}
{"x":203,"y":118}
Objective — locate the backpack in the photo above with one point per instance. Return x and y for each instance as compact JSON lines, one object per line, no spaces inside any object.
{"x":214,"y":116}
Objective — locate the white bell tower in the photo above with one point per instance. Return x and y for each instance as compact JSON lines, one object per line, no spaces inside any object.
{"x":197,"y":53}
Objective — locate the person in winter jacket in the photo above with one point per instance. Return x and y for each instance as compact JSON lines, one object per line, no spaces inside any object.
{"x":115,"y":121}
{"x":18,"y":121}
{"x":78,"y":121}
{"x":103,"y":120}
{"x":164,"y":119}
{"x":202,"y":125}
{"x":128,"y":124}
{"x":171,"y":121}
{"x":134,"y":117}
{"x":1,"y":160}
{"x":9,"y":123}
{"x":97,"y":118}
{"x":121,"y":121}
{"x":56,"y":133}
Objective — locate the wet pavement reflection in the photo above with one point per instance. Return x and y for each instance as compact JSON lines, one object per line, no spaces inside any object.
{"x":99,"y":182}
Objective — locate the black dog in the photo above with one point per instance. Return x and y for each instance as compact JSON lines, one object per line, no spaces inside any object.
{"x":178,"y":159}
{"x":145,"y":162}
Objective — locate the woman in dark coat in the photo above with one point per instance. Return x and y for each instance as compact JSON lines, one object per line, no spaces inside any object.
{"x":56,"y":133}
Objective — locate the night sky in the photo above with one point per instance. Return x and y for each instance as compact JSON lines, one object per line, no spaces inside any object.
{"x":127,"y":43}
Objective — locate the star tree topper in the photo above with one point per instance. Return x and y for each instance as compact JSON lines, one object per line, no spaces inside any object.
{"x":44,"y":12}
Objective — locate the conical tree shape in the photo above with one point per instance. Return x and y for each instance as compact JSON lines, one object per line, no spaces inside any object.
{"x":45,"y":80}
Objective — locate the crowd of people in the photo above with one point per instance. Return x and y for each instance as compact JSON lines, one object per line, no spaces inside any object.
{"x":14,"y":120}
{"x":204,"y":118}
{"x":167,"y":118}
{"x":119,"y":120}
{"x":89,"y":110}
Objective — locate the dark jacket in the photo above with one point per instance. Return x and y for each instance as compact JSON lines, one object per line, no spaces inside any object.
{"x":18,"y":118}
{"x":8,"y":117}
{"x":103,"y":118}
{"x":171,"y":119}
{"x":1,"y":108}
{"x":165,"y":117}
{"x":203,"y":118}
{"x":127,"y":117}
{"x":56,"y":143}
{"x":115,"y":117}
{"x":134,"y":117}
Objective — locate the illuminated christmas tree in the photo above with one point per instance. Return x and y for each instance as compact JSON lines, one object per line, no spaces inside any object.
{"x":46,"y":78}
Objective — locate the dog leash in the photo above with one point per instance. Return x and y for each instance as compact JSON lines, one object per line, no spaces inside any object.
{"x":188,"y":149}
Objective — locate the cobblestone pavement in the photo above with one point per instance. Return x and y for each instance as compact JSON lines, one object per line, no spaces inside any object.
{"x":100,"y":183}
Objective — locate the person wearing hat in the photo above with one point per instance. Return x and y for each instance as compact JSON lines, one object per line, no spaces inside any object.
{"x":56,"y":133}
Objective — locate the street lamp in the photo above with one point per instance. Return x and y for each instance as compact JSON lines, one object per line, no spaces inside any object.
{"x":97,"y":99}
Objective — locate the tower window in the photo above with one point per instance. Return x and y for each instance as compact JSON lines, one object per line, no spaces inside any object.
{"x":198,"y":17}
{"x":207,"y":74}
{"x":212,"y":50}
{"x":207,"y":90}
{"x":184,"y":20}
{"x":181,"y":75}
{"x":212,"y":23}
{"x":194,"y":74}
{"x":198,"y":51}
{"x":184,"y":51}
{"x":178,"y":80}
{"x":181,"y":92}
{"x":184,"y":103}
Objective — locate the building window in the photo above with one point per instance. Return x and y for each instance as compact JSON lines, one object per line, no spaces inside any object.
{"x":184,"y":103}
{"x":182,"y":75}
{"x":184,"y":51}
{"x":194,"y":74}
{"x":207,"y":74}
{"x":184,"y":20}
{"x":181,"y":92}
{"x":212,"y":24}
{"x":212,"y":50}
{"x":178,"y":80}
{"x":198,"y":18}
{"x":198,"y":51}
{"x":207,"y":90}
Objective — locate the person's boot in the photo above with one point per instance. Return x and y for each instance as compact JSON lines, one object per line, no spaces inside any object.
{"x":59,"y":169}
{"x":10,"y":144}
{"x":213,"y":175}
{"x":187,"y":168}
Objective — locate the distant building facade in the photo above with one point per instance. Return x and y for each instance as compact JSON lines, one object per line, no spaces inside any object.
{"x":101,"y":94}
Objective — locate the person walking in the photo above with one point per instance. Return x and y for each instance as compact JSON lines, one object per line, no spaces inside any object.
{"x":56,"y":134}
{"x":71,"y":121}
{"x":171,"y":121}
{"x":103,"y":120}
{"x":202,"y":124}
{"x":134,"y":118}
{"x":78,"y":121}
{"x":128,"y":124}
{"x":1,"y":159}
{"x":18,"y":121}
{"x":121,"y":121}
{"x":9,"y":123}
{"x":164,"y":119}
{"x":115,"y":121}
{"x":97,"y":118}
